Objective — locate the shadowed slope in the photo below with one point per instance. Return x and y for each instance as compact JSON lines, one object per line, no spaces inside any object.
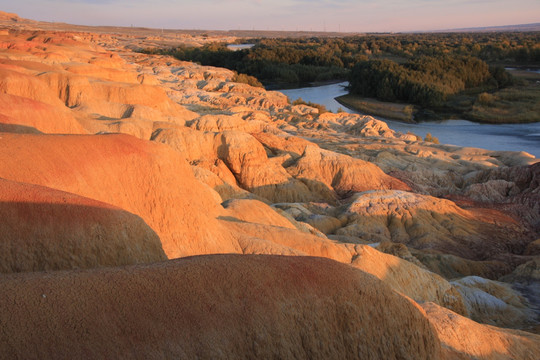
{"x":46,"y":229}
{"x":212,"y":307}
{"x":144,"y":178}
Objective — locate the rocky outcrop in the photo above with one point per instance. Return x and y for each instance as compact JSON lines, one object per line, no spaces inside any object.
{"x":519,"y":185}
{"x":247,"y":160}
{"x":322,"y":169}
{"x":495,"y":303}
{"x":426,"y":222}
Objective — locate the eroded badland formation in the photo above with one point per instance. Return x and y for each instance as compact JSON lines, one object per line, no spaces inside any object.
{"x":317,"y":235}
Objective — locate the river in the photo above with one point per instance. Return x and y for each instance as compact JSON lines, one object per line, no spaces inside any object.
{"x":513,"y":137}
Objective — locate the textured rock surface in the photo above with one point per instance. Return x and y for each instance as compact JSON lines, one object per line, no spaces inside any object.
{"x":495,"y":303}
{"x":247,"y":306}
{"x":426,"y":222}
{"x":462,"y":338}
{"x":145,"y":178}
{"x":45,"y":229}
{"x":22,"y":112}
{"x":222,"y":167}
{"x":341,"y":173}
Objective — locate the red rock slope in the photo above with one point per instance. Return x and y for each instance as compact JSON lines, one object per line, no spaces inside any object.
{"x":144,"y":178}
{"x":212,"y":307}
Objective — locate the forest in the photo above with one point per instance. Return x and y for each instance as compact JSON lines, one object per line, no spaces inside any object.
{"x":425,"y":81}
{"x":440,"y":72}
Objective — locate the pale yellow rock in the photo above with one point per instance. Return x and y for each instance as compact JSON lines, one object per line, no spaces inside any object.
{"x":462,"y":338}
{"x":226,"y":190}
{"x":255,"y":211}
{"x":495,"y":303}
{"x":225,"y":122}
{"x":341,"y":173}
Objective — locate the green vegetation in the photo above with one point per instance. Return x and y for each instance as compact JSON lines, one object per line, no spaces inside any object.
{"x":273,"y":65}
{"x":322,"y":109}
{"x":247,"y":79}
{"x":520,"y":104}
{"x":431,"y":138}
{"x":455,"y":86}
{"x":402,"y":112}
{"x":426,"y":81}
{"x":443,"y":75}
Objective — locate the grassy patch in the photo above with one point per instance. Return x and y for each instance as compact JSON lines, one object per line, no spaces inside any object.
{"x":402,"y":112}
{"x":519,"y":104}
{"x":516,"y":104}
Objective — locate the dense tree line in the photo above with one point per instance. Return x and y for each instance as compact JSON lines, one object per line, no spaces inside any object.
{"x":269,"y":65}
{"x":295,"y":61}
{"x":426,"y":81}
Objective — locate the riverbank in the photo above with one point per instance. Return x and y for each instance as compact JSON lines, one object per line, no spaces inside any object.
{"x":514,"y":105}
{"x":500,"y":137}
{"x":278,"y":86}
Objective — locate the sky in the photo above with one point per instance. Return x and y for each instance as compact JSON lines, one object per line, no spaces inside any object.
{"x":304,"y":15}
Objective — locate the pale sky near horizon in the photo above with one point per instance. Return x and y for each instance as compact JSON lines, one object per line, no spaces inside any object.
{"x":305,"y":15}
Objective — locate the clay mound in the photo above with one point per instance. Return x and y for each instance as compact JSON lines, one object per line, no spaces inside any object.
{"x":341,"y":173}
{"x":27,"y":66}
{"x":247,"y":160}
{"x":23,"y":85}
{"x":406,"y":278}
{"x":213,"y":307}
{"x":226,"y":190}
{"x":194,"y":145}
{"x":149,"y":180}
{"x":462,"y":338}
{"x":8,"y":16}
{"x":453,"y":267}
{"x":104,"y":73}
{"x":77,"y":90}
{"x":319,"y":218}
{"x":244,"y":157}
{"x":225,"y":122}
{"x":46,"y":229}
{"x":495,"y":303}
{"x":255,"y":211}
{"x":426,"y":222}
{"x":370,"y":127}
{"x":400,"y":275}
{"x":41,"y":116}
{"x":10,"y":125}
{"x":283,"y":143}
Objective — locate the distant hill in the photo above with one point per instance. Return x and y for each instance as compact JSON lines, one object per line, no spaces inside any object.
{"x":522,"y":27}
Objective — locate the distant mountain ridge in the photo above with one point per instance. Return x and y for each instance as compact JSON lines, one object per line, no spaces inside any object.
{"x":9,"y":18}
{"x":520,"y":27}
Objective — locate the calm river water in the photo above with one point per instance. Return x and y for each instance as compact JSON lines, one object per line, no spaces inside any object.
{"x":514,"y":137}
